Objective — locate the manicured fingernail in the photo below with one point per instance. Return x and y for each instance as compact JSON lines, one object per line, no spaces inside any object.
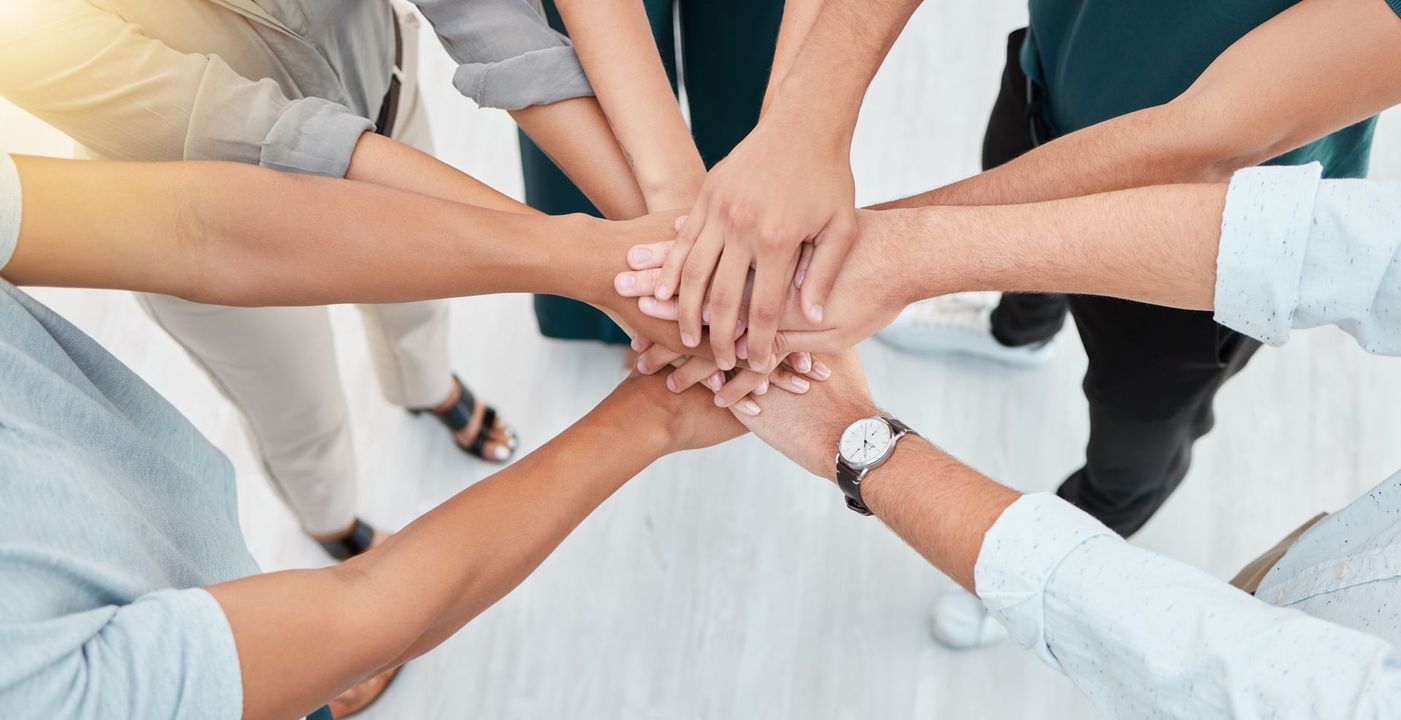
{"x":626,"y":281}
{"x":798,"y":279}
{"x":641,"y":255}
{"x":749,"y":407}
{"x":705,"y":314}
{"x":647,"y":303}
{"x":816,"y":313}
{"x":663,"y":292}
{"x":763,"y":388}
{"x":642,"y":367}
{"x":725,"y":364}
{"x":680,"y":222}
{"x":804,"y":364}
{"x":714,"y":381}
{"x":721,"y":401}
{"x":801,"y":384}
{"x":688,"y":340}
{"x":822,"y":372}
{"x":670,"y":384}
{"x":757,"y":366}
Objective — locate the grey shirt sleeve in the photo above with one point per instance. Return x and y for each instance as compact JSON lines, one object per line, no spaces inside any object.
{"x":11,"y":208}
{"x":1300,"y":252}
{"x":508,"y":57}
{"x":126,"y":96}
{"x":169,"y":655}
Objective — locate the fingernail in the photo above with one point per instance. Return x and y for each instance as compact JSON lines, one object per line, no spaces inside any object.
{"x":725,"y":364}
{"x":670,"y":383}
{"x":763,"y":388}
{"x":641,"y":255}
{"x":705,"y":314}
{"x":749,"y":407}
{"x":804,"y":363}
{"x":647,"y":303}
{"x":642,"y":366}
{"x":821,"y":371}
{"x":816,"y":313}
{"x":663,"y":292}
{"x":713,"y":382}
{"x":626,"y":281}
{"x":801,"y":384}
{"x":680,"y":223}
{"x":688,"y":340}
{"x":757,"y":366}
{"x":721,"y":401}
{"x":798,"y":279}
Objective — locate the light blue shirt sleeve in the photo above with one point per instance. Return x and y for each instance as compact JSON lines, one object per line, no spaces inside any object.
{"x":1300,"y":252}
{"x":1147,"y":637}
{"x":11,"y":208}
{"x":168,"y":655}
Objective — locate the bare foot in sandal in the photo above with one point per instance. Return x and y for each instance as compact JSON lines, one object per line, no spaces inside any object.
{"x":474,"y":425}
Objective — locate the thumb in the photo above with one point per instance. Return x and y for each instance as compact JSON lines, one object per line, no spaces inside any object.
{"x":828,"y":256}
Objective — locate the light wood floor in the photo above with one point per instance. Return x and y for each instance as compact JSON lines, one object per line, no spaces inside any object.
{"x":726,"y":583}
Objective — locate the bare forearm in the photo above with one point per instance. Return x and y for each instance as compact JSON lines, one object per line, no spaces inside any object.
{"x":576,"y":135}
{"x":938,"y":505}
{"x":827,"y":79}
{"x":798,"y":17}
{"x":1317,"y":67}
{"x":330,"y":628}
{"x":238,"y":235}
{"x":615,"y":46}
{"x":1156,"y":245}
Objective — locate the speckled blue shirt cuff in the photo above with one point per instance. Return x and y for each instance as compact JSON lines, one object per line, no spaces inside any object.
{"x":1264,"y":237}
{"x":1020,"y":554}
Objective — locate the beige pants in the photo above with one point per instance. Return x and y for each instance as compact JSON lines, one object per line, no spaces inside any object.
{"x":278,"y":365}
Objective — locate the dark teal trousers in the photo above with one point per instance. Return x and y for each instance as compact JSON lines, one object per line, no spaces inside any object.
{"x":726,"y":48}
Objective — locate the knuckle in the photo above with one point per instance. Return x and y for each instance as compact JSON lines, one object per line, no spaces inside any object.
{"x":763,"y":314}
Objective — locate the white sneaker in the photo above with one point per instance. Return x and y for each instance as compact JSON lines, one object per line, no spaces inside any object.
{"x":959,"y":324}
{"x":960,"y":622}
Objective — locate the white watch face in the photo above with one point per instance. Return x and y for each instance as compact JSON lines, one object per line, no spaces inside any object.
{"x":865,"y":441}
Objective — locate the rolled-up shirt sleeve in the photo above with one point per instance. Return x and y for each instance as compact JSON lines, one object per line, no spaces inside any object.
{"x":168,"y":655}
{"x":126,"y":96}
{"x":507,"y":54}
{"x":1299,"y":252}
{"x":1145,"y":636}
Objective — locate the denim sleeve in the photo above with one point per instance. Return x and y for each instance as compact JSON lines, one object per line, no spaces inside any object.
{"x":99,"y":79}
{"x":169,"y":655}
{"x":1299,"y":252}
{"x":508,"y":57}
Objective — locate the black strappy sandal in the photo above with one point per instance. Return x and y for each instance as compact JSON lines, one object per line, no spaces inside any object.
{"x":361,"y":537}
{"x":459,"y":416}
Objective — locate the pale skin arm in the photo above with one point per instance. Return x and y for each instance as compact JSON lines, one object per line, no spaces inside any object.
{"x":614,"y":42}
{"x":787,"y":183}
{"x":1156,"y":245}
{"x":1315,"y":68}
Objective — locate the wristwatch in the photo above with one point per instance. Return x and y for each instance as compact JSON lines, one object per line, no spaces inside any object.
{"x":864,"y":446}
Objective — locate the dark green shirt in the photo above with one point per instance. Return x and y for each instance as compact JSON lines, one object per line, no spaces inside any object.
{"x":1098,"y":59}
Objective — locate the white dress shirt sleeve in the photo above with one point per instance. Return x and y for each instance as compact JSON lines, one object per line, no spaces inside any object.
{"x":1300,"y":252}
{"x":1147,"y":637}
{"x":98,"y":78}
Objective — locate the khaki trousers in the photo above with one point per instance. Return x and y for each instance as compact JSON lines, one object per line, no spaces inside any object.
{"x":278,"y":365}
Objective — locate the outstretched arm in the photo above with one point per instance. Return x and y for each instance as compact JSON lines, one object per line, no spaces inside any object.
{"x":303,"y":636}
{"x":1130,"y":628}
{"x":1317,"y":67}
{"x":615,"y":46}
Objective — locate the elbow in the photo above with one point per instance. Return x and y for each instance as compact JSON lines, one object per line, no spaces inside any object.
{"x":1207,"y":144}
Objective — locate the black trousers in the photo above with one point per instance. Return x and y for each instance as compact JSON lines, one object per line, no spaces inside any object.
{"x":1153,"y":371}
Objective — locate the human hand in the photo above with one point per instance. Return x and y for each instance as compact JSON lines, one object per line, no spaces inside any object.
{"x":868,"y":293}
{"x":676,"y":421}
{"x":806,"y":429}
{"x":794,"y":374}
{"x":782,"y":186}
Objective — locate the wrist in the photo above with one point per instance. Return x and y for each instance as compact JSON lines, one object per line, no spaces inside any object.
{"x":639,"y":415}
